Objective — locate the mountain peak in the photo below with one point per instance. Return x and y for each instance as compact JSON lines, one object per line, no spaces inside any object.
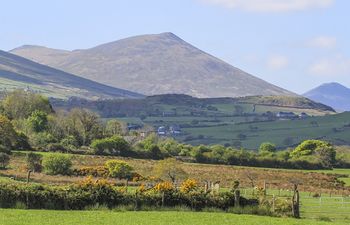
{"x":168,"y":35}
{"x":333,"y":94}
{"x":154,"y":64}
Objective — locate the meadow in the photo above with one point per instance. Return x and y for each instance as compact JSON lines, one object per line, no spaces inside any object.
{"x":46,"y":217}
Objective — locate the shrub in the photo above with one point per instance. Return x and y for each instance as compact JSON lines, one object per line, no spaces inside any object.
{"x":69,"y":142}
{"x":119,"y":169}
{"x":165,"y":186}
{"x":55,"y":147}
{"x":57,"y":164}
{"x":99,"y":171}
{"x":92,"y":192}
{"x":266,"y":148}
{"x":4,"y":160}
{"x":41,"y":140}
{"x":33,"y":162}
{"x":115,"y":145}
{"x":189,"y":185}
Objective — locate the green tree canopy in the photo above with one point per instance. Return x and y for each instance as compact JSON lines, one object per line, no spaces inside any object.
{"x":267,"y":148}
{"x":20,"y":104}
{"x":38,"y":121}
{"x":115,"y":145}
{"x":323,"y":150}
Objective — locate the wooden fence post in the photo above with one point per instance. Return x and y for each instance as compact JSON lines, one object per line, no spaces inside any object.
{"x":295,"y":202}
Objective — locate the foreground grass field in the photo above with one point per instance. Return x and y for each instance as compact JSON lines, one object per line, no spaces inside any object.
{"x":46,"y":217}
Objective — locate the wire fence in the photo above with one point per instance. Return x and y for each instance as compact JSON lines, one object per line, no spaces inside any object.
{"x":326,"y":207}
{"x":333,"y":208}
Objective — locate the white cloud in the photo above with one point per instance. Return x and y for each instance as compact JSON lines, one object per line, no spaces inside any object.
{"x":277,"y":62}
{"x":272,"y":5}
{"x":323,"y":42}
{"x":336,"y":66}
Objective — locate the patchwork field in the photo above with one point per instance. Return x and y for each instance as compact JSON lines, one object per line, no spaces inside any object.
{"x":245,"y":132}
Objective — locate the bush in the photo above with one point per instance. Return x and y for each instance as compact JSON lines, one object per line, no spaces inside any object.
{"x":115,"y":145}
{"x":57,"y":164}
{"x":119,"y":169}
{"x":100,"y":192}
{"x":4,"y":160}
{"x":55,"y":147}
{"x":267,"y":148}
{"x":99,"y":171}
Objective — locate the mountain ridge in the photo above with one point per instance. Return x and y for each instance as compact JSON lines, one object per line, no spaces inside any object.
{"x":20,"y":73}
{"x":155,"y":64}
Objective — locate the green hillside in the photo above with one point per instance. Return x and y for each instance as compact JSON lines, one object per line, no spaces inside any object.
{"x":20,"y":73}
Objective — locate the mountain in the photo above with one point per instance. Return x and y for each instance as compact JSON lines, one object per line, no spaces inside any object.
{"x":154,"y":64}
{"x":333,"y":94}
{"x":19,"y":73}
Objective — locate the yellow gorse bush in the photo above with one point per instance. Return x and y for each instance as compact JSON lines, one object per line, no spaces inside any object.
{"x":165,"y":186}
{"x":188,"y":185}
{"x":89,"y":182}
{"x":141,"y":188}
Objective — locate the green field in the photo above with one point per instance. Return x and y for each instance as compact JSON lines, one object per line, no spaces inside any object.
{"x":46,"y":217}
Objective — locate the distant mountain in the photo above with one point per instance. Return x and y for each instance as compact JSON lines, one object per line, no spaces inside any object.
{"x":20,"y":73}
{"x":332,"y":94}
{"x":155,"y":64}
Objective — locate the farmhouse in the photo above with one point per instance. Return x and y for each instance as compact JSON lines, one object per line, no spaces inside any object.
{"x":175,"y":130}
{"x":286,"y":115}
{"x":161,"y":131}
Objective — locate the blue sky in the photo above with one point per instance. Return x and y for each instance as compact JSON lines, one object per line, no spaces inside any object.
{"x":295,"y":44}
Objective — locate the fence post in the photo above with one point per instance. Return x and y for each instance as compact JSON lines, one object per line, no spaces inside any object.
{"x":273,"y":203}
{"x":295,"y":202}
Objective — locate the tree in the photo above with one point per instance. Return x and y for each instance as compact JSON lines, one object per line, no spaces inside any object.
{"x":33,"y":162}
{"x":115,"y":127}
{"x":155,"y":152}
{"x":57,"y":164}
{"x":267,"y":148}
{"x":4,"y":160}
{"x":8,"y":135}
{"x":169,"y":169}
{"x":38,"y":121}
{"x":119,"y":169}
{"x":20,"y":104}
{"x":322,"y":149}
{"x":115,"y":145}
{"x":84,"y":124}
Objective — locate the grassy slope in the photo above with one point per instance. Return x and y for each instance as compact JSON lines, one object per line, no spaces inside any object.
{"x":277,"y":131}
{"x":45,"y":217}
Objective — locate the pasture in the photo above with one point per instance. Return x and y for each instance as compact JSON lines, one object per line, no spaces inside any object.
{"x":246,"y":132}
{"x":46,"y":217}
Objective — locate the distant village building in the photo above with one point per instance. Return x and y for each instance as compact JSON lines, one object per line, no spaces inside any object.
{"x":175,"y":130}
{"x":303,"y":115}
{"x":286,"y":115}
{"x":161,"y":131}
